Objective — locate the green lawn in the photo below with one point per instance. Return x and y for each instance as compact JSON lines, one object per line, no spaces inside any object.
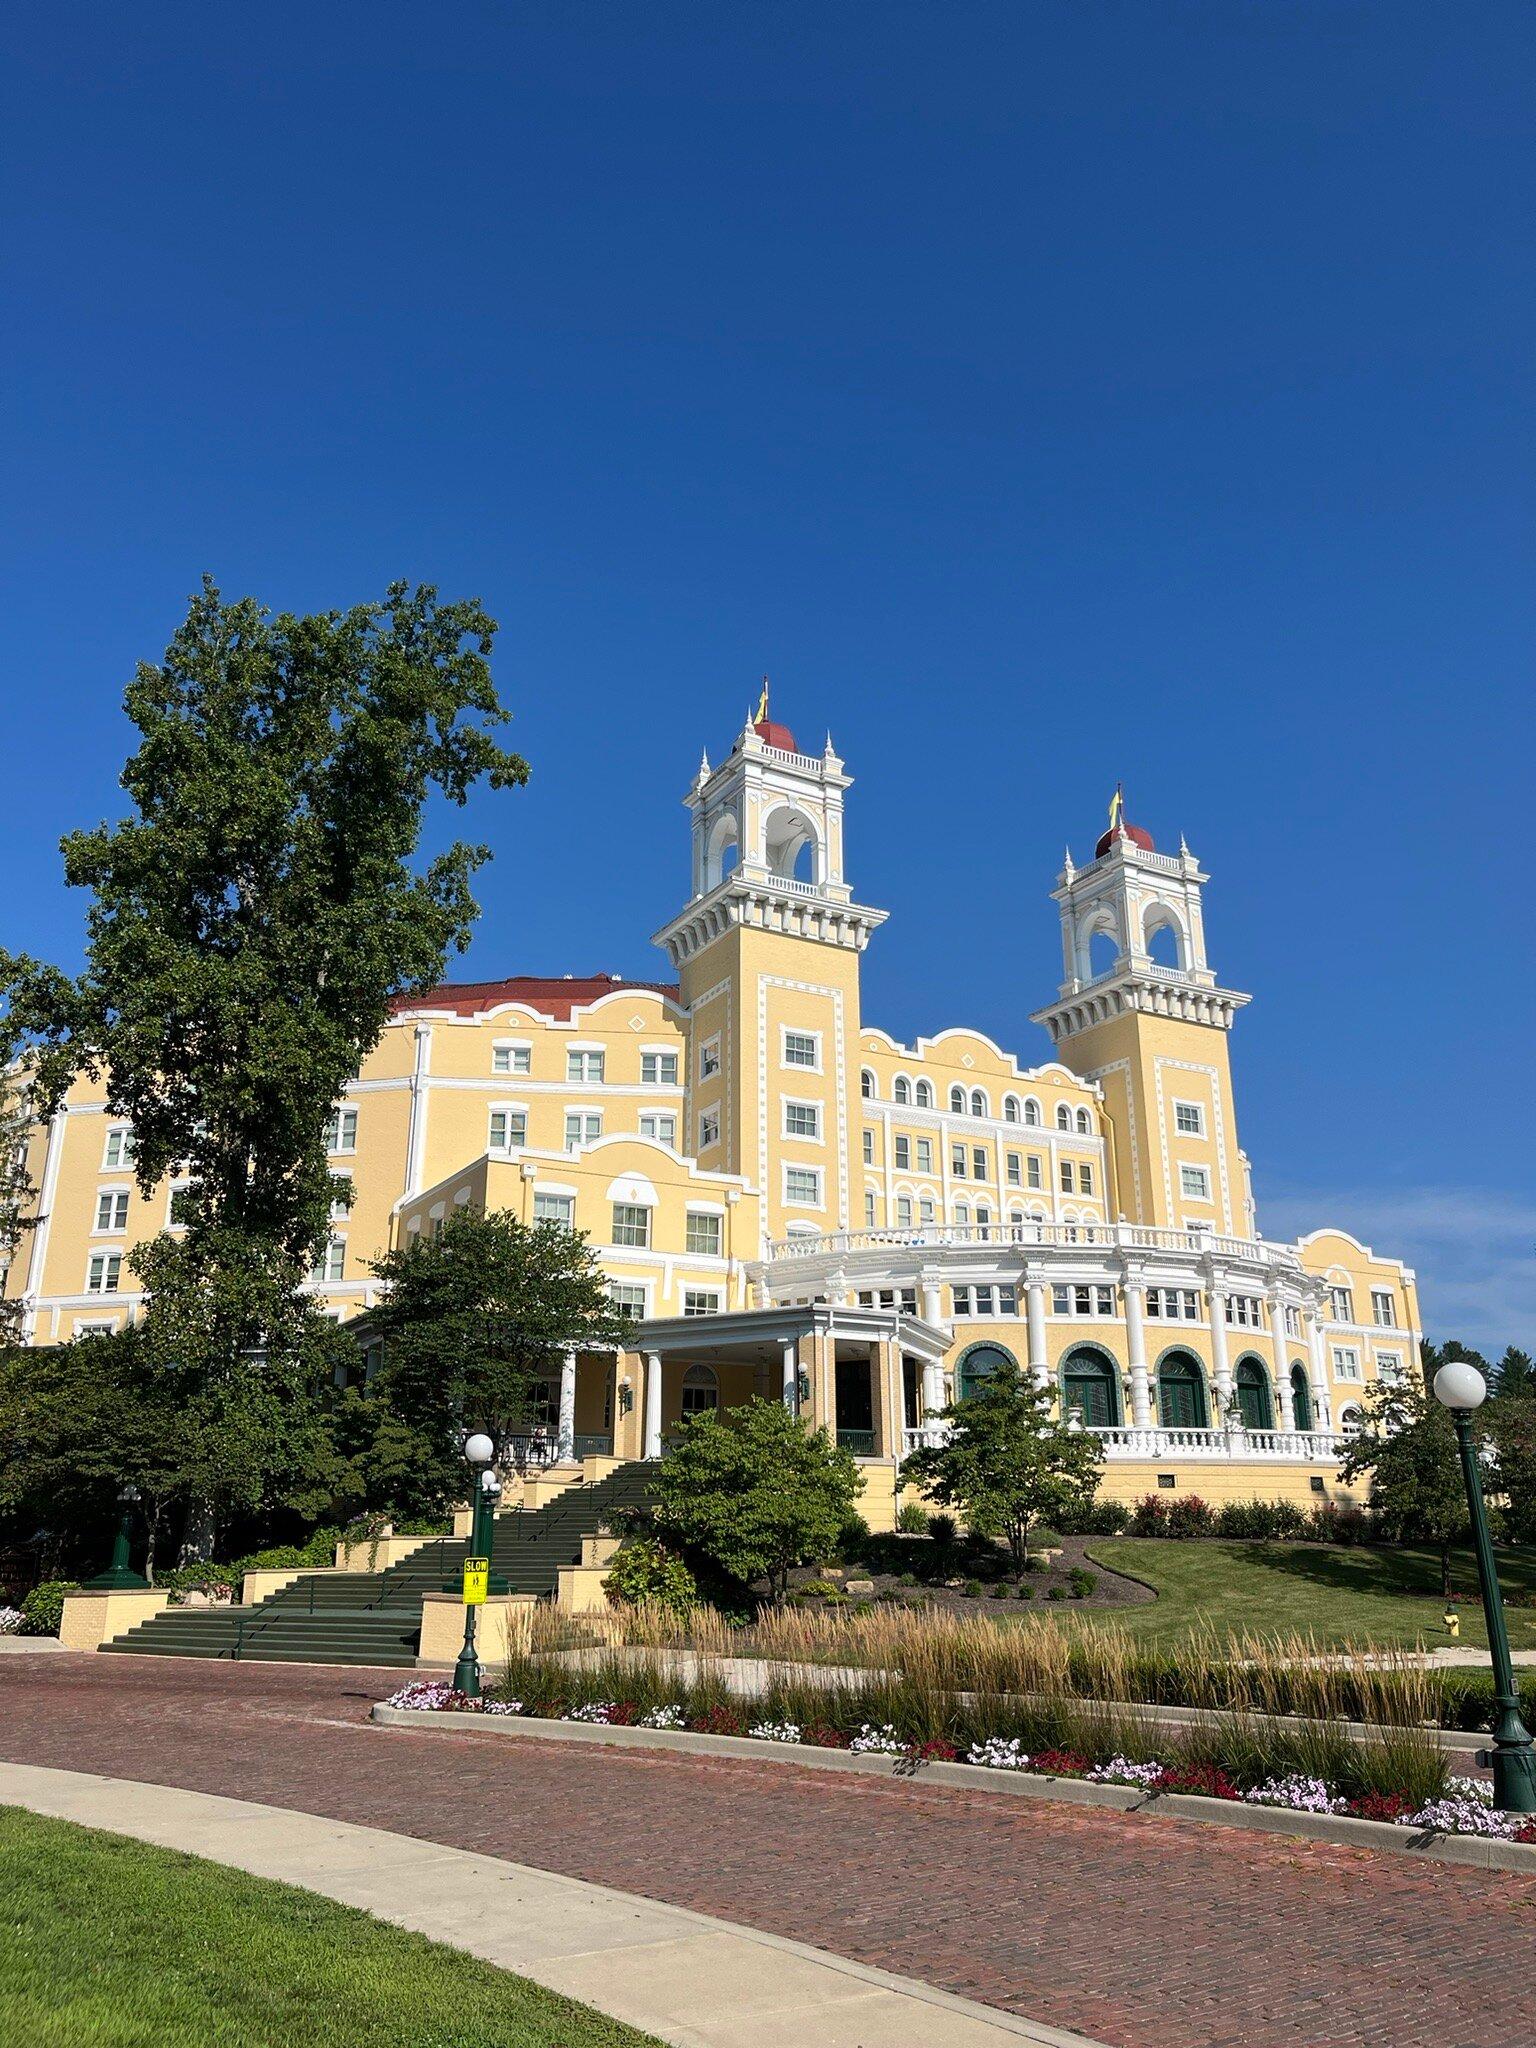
{"x":1336,"y":1595}
{"x":108,"y":1943}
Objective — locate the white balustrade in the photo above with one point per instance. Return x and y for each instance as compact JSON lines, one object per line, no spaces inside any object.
{"x":1293,"y":1445}
{"x":1141,"y":1237}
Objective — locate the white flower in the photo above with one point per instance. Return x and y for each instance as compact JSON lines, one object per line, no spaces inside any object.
{"x":999,"y":1753}
{"x":10,"y":1621}
{"x":1297,"y":1794}
{"x":877,"y":1741}
{"x":1466,"y":1808}
{"x":437,"y":1696}
{"x":1121,"y":1771}
{"x":775,"y":1731}
{"x":662,"y":1717}
{"x":599,"y":1712}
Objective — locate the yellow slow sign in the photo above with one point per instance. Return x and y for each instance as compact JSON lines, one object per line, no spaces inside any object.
{"x":477,"y":1579}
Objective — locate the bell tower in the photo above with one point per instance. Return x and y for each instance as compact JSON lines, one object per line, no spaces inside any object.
{"x":767,"y":954}
{"x":1140,"y":1011}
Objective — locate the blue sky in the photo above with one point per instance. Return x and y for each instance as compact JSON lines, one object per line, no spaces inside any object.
{"x":1044,"y":394}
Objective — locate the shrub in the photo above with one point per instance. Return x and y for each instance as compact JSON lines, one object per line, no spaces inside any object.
{"x":943,"y":1531}
{"x":1149,"y":1517}
{"x":913,"y":1518}
{"x":1023,"y":1592}
{"x":43,"y":1608}
{"x":1276,"y":1520}
{"x":973,"y":1589}
{"x":999,"y":1592}
{"x":1081,"y":1582}
{"x":1190,"y":1516}
{"x":1331,"y":1524}
{"x":853,"y":1541}
{"x":1055,"y":1592}
{"x":644,"y":1569}
{"x":1097,"y":1518}
{"x":1045,"y":1539}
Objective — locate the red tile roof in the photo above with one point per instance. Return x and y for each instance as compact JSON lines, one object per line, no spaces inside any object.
{"x":553,"y":995}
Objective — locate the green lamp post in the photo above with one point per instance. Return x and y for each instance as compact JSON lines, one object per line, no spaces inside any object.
{"x":1461,"y":1388}
{"x":119,"y":1576}
{"x":480,"y":1451}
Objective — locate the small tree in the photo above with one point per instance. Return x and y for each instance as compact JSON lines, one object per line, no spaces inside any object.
{"x":1007,"y":1462}
{"x":473,"y":1317}
{"x":1406,"y":1444}
{"x":757,"y":1491}
{"x":1512,"y":1426}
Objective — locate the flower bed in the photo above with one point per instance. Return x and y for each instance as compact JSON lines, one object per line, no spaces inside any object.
{"x":1462,"y":1806}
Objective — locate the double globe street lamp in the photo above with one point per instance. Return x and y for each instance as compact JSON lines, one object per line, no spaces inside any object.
{"x":1462,"y":1389}
{"x":481,"y":1453}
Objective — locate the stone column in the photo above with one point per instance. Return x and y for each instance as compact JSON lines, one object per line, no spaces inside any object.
{"x":1136,"y":1352}
{"x":1322,"y":1415}
{"x":933,"y":1388}
{"x":566,"y":1440}
{"x":1039,"y":1356}
{"x":790,"y":1382}
{"x":1221,"y":1370}
{"x":1285,"y":1417}
{"x":651,"y":1447}
{"x":932,"y":1312}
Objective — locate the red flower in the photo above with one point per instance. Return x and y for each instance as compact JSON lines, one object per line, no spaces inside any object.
{"x":823,"y":1737}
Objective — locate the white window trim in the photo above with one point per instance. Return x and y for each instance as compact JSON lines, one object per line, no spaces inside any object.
{"x":505,"y":1109}
{"x":707,"y":1048}
{"x":817,"y":1109}
{"x":510,"y":1045}
{"x":114,"y":1230}
{"x":104,"y":1256}
{"x":1189,"y":1194}
{"x":662,"y":1052}
{"x":799,"y":1201}
{"x":1181,"y":1102}
{"x":115,"y":1130}
{"x":703,"y":1114}
{"x":789,"y":1066}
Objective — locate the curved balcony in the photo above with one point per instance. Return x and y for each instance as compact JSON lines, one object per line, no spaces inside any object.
{"x":1033,"y":1236}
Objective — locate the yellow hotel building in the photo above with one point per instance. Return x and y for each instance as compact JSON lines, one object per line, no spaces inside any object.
{"x":787,"y":1201}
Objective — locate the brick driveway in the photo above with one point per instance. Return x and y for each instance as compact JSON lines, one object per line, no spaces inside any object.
{"x":1143,"y":1932}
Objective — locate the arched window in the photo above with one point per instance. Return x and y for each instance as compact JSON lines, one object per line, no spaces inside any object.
{"x":701,"y":1390}
{"x":1010,"y":1109}
{"x":867,"y":1085}
{"x":957,"y":1101}
{"x":1253,"y":1401}
{"x":1349,"y":1420}
{"x":1181,"y":1393}
{"x":977,"y":1365}
{"x":1301,"y":1396}
{"x":1084,"y":1122}
{"x":1090,"y":1381}
{"x":1032,"y":1113}
{"x":1063,"y":1117}
{"x":924,"y":1095}
{"x":979,"y":1103}
{"x":902,"y":1092}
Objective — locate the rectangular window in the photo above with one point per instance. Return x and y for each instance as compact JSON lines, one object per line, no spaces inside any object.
{"x":925,"y":1155}
{"x":1007,"y":1301}
{"x":963,"y":1301}
{"x":585,"y":1066}
{"x":702,"y":1233}
{"x":1066,"y":1176}
{"x":1343,"y":1304}
{"x":658,"y":1069}
{"x":1292,"y":1320}
{"x":709,"y":1128}
{"x":701,"y":1301}
{"x":869,"y":1148}
{"x":331,"y":1263}
{"x":112,"y":1210}
{"x":628,"y":1301}
{"x":802,"y":1049}
{"x":509,"y":1127}
{"x":1346,"y":1362}
{"x":551,"y":1208}
{"x":1384,"y":1308}
{"x":1389,"y":1367}
{"x":1194,"y":1183}
{"x":1061,"y":1300}
{"x":904,"y":1212}
{"x":869,"y":1211}
{"x":660,"y":1126}
{"x":1036,"y":1175}
{"x":709,"y":1059}
{"x":341,"y":1131}
{"x":631,"y":1224}
{"x":176,"y":1208}
{"x":118,"y":1151}
{"x":925,"y":1211}
{"x":903,"y":1154}
{"x":103,"y":1273}
{"x":511,"y":1059}
{"x":1085,"y":1179}
{"x":1244,"y":1309}
{"x":957,"y":1161}
{"x":803,"y":1184}
{"x":802,"y":1120}
{"x":1015,"y":1170}
{"x":1189,"y":1119}
{"x":341,"y":1197}
{"x":582,"y":1127}
{"x":978,"y":1162}
{"x":1177,"y":1304}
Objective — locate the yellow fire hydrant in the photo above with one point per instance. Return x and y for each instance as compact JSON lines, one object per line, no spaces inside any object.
{"x":1453,"y":1624}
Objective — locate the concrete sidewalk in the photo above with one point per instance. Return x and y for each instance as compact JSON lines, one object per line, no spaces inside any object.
{"x":694,"y":1981}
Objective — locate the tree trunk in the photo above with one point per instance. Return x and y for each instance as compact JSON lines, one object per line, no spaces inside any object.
{"x":197,"y":1533}
{"x":1445,"y":1570}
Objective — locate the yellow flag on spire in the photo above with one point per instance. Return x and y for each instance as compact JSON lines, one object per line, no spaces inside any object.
{"x":762,"y":705}
{"x":1117,"y":806}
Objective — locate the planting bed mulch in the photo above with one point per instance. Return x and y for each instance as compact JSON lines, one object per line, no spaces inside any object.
{"x":946,"y":1582}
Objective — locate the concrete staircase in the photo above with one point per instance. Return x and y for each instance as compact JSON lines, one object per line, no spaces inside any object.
{"x":346,"y":1617}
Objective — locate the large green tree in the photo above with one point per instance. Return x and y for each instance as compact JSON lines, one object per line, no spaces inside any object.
{"x":17,"y":1194}
{"x":472,"y":1317}
{"x":250,"y":924}
{"x":1005,"y":1461}
{"x":1406,"y":1447}
{"x":756,"y":1490}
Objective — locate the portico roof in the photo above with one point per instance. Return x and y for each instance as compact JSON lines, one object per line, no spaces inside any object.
{"x":757,"y":1336}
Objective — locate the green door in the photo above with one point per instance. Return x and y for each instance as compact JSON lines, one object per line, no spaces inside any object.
{"x":1301,"y":1398}
{"x":1253,"y":1402}
{"x":1088,"y":1383}
{"x":1180,"y":1395}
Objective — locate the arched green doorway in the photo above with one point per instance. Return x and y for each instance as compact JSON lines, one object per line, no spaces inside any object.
{"x":1301,"y":1397}
{"x":1253,"y":1401}
{"x":1090,"y":1381}
{"x":978,"y":1364}
{"x":1181,"y":1393}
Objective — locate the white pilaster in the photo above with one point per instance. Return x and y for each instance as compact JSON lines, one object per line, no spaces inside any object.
{"x":1322,"y":1416}
{"x":652,"y":1405}
{"x":1039,"y":1357}
{"x":416,"y":1140}
{"x":567,"y":1436}
{"x":1285,"y":1415}
{"x":1136,"y":1353}
{"x":1221,"y":1370}
{"x":791,"y":1375}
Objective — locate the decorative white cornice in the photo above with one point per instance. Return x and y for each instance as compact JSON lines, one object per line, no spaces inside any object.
{"x":1154,"y":993}
{"x":770,"y":904}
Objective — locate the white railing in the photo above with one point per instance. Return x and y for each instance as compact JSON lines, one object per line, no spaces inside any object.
{"x":1295,"y":1445}
{"x":1053,"y":1236}
{"x":919,"y":1439}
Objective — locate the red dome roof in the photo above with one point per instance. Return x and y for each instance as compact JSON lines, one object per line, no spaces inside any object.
{"x":1134,"y":833}
{"x":773,"y":735}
